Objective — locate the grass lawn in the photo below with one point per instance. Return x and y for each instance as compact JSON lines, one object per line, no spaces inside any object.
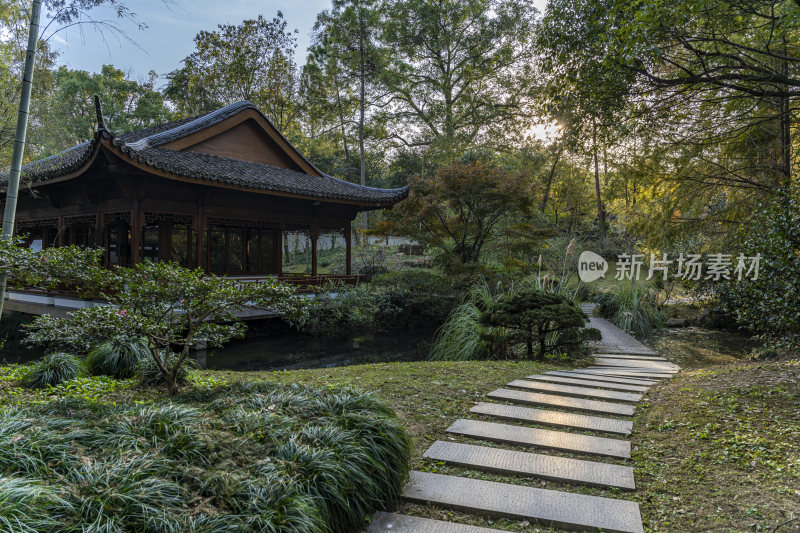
{"x":718,"y":449}
{"x":715,"y":449}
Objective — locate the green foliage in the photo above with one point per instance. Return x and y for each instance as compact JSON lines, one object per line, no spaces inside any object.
{"x":769,"y":305}
{"x":52,"y":369}
{"x":633,"y":307}
{"x":398,"y":300}
{"x":416,"y":298}
{"x":341,"y":311}
{"x":247,"y":457}
{"x":460,"y":208}
{"x":171,"y":307}
{"x":464,"y":337}
{"x":117,"y":358}
{"x":535,"y":317}
{"x":251,"y":61}
{"x":457,"y":70}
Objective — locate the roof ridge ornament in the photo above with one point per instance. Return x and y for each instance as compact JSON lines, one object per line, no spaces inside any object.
{"x":101,"y":123}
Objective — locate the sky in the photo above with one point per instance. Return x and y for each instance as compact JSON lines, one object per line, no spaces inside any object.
{"x":169,"y":36}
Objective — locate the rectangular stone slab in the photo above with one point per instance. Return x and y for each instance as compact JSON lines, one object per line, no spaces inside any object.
{"x":579,"y":392}
{"x":631,"y":357}
{"x":535,"y":398}
{"x":649,"y":365}
{"x":550,"y":467}
{"x":399,"y":523}
{"x":622,"y":373}
{"x":541,"y":438}
{"x":664,"y":373}
{"x":553,"y":418}
{"x":548,"y":507}
{"x":576,"y":374}
{"x":589,"y":383}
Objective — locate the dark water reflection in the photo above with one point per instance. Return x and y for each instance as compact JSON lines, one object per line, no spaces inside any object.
{"x":299,"y":351}
{"x":695,"y":347}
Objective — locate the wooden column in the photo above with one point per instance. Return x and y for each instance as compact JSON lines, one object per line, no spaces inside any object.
{"x":137,"y":222}
{"x":98,"y":234}
{"x":60,"y":230}
{"x":200,"y":232}
{"x":348,"y":238}
{"x":314,"y":240}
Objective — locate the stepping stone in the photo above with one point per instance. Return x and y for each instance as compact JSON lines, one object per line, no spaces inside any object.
{"x":548,"y":467}
{"x":666,"y":373}
{"x":630,"y":357}
{"x":580,"y":392}
{"x":553,"y":418}
{"x":622,"y":373}
{"x":398,"y":523}
{"x":651,"y":365}
{"x":548,"y":507}
{"x":542,"y":438}
{"x":578,"y":375}
{"x":535,"y":398}
{"x":589,"y":383}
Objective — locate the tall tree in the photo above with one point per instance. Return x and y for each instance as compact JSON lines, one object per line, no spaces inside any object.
{"x":251,"y":61}
{"x":459,"y":69}
{"x":127,"y":104}
{"x":349,"y":35}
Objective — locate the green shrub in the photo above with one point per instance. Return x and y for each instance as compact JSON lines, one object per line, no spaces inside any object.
{"x":463,"y":337}
{"x":286,"y":458}
{"x":770,"y":305}
{"x":415,"y":298}
{"x":342,"y":311}
{"x":539,"y":319}
{"x":51,"y":370}
{"x":117,"y":358}
{"x":633,"y":307}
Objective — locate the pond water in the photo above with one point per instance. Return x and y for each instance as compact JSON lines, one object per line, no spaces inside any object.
{"x":299,"y":351}
{"x":695,"y":347}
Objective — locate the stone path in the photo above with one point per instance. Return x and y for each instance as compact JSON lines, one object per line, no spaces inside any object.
{"x":589,"y":410}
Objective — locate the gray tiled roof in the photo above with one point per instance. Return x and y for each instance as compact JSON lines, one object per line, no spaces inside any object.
{"x":142,"y":145}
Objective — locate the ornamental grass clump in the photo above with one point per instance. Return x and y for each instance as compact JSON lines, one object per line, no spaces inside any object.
{"x":117,"y":358}
{"x":632,"y":307}
{"x":245,"y":457}
{"x":52,"y":369}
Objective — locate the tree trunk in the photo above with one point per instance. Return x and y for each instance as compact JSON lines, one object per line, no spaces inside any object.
{"x":549,"y":182}
{"x":786,"y":124}
{"x":362,"y":75}
{"x":172,"y":384}
{"x":601,"y":215}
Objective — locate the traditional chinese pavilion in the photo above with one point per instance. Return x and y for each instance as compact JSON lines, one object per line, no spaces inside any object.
{"x":218,"y":191}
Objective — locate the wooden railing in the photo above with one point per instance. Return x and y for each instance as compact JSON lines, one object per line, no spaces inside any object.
{"x":309,"y":283}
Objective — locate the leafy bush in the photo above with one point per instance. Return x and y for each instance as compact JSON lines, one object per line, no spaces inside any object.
{"x":397,"y":300}
{"x":51,"y":370}
{"x":769,"y":305}
{"x":534,"y":317}
{"x":416,"y":298}
{"x":117,"y":358}
{"x":341,"y":311}
{"x":633,"y":307}
{"x":288,"y":459}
